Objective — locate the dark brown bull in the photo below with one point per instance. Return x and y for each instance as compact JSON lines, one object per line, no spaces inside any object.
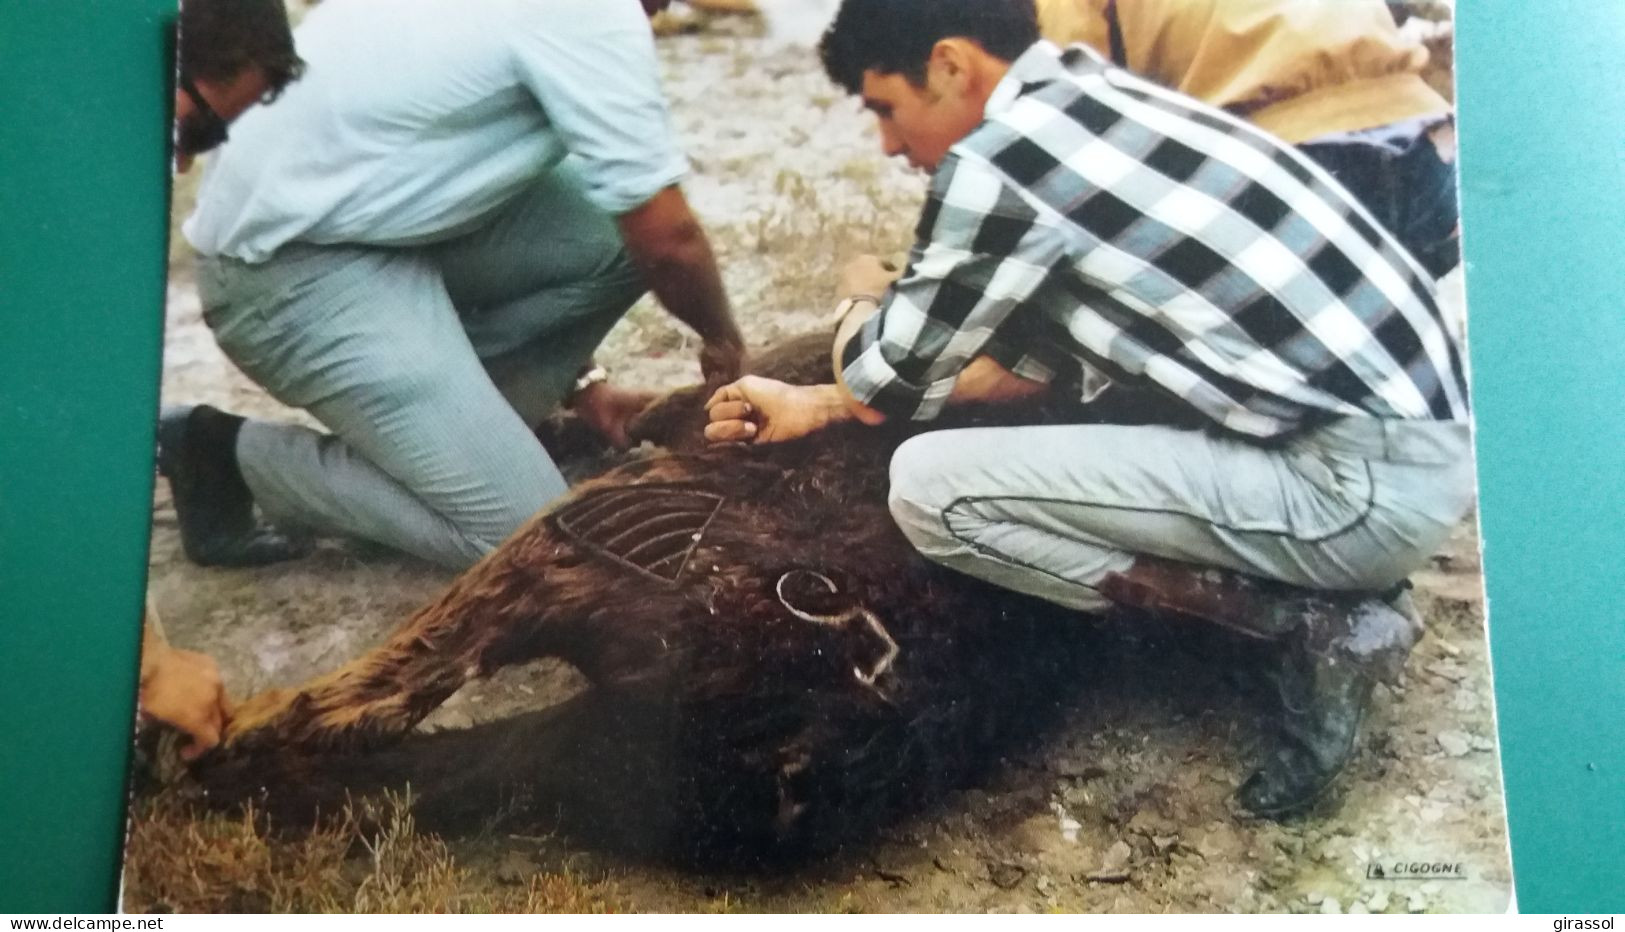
{"x":774,"y":670}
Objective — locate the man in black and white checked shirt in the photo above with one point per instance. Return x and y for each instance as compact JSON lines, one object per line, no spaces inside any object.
{"x":1086,"y":228}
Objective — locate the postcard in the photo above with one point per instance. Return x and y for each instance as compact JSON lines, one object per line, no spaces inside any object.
{"x":816,"y":456}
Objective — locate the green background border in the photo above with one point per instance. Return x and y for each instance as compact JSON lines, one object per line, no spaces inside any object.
{"x":83,"y":188}
{"x":1542,"y":119}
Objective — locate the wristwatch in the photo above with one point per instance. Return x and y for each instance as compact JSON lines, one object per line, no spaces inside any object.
{"x":590,"y":376}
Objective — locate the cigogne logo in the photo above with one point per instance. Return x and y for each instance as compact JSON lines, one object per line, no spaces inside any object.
{"x":1415,"y":869}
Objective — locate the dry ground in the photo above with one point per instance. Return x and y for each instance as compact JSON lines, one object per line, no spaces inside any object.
{"x":789,"y":179}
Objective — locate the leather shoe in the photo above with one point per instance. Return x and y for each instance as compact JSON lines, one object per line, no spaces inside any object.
{"x":213,"y":506}
{"x":1325,"y":685}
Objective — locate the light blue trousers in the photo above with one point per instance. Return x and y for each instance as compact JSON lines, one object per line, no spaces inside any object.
{"x":1050,"y":511}
{"x":429,"y":365}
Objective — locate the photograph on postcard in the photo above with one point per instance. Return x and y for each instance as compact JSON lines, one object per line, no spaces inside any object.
{"x":815,"y":455}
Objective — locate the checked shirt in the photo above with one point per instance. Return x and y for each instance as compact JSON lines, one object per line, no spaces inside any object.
{"x":1096,"y":228}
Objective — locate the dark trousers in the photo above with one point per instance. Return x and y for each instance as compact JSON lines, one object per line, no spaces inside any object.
{"x":1406,"y":186}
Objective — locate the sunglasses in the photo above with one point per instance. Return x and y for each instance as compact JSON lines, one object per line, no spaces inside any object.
{"x":207,"y":130}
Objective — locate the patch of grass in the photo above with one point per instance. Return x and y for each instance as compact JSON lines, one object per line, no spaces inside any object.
{"x":370,"y":859}
{"x":809,"y":230}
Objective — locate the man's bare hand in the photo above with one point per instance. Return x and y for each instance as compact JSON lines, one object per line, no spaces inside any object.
{"x":722,"y":361}
{"x":182,"y":688}
{"x":609,"y":410}
{"x":758,"y":410}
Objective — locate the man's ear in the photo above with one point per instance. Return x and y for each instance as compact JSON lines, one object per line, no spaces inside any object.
{"x":949,"y":71}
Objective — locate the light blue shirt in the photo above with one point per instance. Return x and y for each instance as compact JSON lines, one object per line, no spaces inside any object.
{"x":415,"y":119}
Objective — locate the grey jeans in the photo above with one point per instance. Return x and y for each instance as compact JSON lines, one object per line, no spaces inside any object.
{"x":1050,"y":511}
{"x":429,"y":365}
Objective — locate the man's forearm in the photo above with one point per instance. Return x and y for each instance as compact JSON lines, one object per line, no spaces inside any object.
{"x":689,"y":287}
{"x":983,"y":380}
{"x":835,"y":404}
{"x":845,"y":332}
{"x":671,"y":250}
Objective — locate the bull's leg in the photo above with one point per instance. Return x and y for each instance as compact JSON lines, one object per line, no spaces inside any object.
{"x":537,"y":595}
{"x":483,"y":621}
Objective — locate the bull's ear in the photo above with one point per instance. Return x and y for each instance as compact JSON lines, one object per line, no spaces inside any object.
{"x":675,"y":420}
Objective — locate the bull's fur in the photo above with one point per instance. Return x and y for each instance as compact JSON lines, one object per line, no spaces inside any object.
{"x":742,"y":712}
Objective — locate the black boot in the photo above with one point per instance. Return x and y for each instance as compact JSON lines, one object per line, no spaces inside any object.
{"x":1331,"y":663}
{"x":197,"y":453}
{"x":1336,"y":646}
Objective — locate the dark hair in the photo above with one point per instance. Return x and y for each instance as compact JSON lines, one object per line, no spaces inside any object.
{"x":220,"y":38}
{"x":897,"y":36}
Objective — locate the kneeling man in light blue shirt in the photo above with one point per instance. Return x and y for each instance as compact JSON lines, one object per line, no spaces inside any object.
{"x":421,"y":243}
